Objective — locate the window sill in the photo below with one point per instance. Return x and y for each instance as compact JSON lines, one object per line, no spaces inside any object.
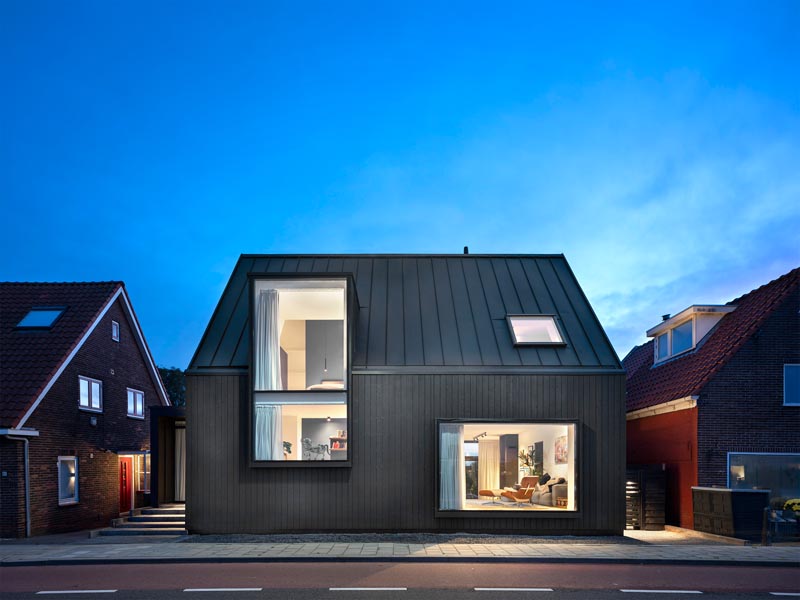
{"x":91,"y":410}
{"x":302,"y":464}
{"x":67,"y":502}
{"x":137,"y":417}
{"x":510,"y":513}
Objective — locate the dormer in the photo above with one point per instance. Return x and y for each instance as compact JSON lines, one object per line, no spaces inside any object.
{"x":681,"y":333}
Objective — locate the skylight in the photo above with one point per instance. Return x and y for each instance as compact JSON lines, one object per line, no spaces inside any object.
{"x":534,"y":329}
{"x":41,"y":317}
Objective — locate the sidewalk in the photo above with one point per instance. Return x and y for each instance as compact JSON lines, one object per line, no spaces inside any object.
{"x":618,"y":550}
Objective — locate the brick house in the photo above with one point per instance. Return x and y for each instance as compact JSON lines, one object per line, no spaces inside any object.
{"x":715,"y":396}
{"x":76,"y":381}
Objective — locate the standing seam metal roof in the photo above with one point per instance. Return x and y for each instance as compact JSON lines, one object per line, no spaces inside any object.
{"x":429,"y":310}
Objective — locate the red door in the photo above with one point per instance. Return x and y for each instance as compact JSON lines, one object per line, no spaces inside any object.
{"x":125,"y":483}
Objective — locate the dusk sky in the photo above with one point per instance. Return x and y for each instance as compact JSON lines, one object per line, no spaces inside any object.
{"x":655,"y":144}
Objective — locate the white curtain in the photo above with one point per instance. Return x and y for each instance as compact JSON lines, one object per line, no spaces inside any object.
{"x":452,"y":474}
{"x":267,"y":351}
{"x":488,"y":464}
{"x":268,"y":432}
{"x":180,"y":465}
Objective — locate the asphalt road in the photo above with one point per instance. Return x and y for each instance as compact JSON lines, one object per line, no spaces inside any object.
{"x":412,"y":581}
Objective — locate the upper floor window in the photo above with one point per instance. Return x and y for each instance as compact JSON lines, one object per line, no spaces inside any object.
{"x":681,"y":333}
{"x":41,"y":317}
{"x":91,"y":394}
{"x":135,"y":403}
{"x":299,"y":369}
{"x":115,"y":331}
{"x":534,"y":329}
{"x":791,"y":385}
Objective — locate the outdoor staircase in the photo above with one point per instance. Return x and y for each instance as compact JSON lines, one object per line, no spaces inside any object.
{"x":166,"y":520}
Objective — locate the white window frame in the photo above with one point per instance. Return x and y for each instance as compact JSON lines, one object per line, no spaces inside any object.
{"x":89,"y":381}
{"x":74,"y":498}
{"x":536,"y":317}
{"x":796,"y":366}
{"x":135,"y":415}
{"x":668,"y":333}
{"x":115,"y":331}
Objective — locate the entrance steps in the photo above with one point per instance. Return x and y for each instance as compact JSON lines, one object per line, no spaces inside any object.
{"x":166,"y":520}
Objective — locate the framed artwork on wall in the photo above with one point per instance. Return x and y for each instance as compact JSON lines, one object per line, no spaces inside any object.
{"x":561,"y":449}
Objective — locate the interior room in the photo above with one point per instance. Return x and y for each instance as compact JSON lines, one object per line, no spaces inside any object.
{"x":507,"y":466}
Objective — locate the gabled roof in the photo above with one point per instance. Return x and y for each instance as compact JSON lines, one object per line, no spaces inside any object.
{"x":447,"y":311}
{"x":32,"y":360}
{"x":686,"y":375}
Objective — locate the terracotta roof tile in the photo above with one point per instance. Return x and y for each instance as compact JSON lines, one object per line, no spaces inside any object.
{"x":687,"y":375}
{"x":30,"y":357}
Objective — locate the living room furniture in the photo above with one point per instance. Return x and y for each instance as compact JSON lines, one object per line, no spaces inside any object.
{"x":493,"y":494}
{"x":548,"y":493}
{"x":526,"y":488}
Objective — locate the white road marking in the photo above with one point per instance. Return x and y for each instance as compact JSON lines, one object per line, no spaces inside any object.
{"x":77,"y":592}
{"x":513,"y":589}
{"x":785,"y":593}
{"x":369,"y":589}
{"x":223,"y":589}
{"x":663,"y":591}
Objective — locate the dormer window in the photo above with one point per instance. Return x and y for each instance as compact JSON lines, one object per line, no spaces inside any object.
{"x":681,"y":333}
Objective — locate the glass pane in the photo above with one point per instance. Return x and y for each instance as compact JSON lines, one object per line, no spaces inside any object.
{"x":682,"y":337}
{"x":507,"y":466}
{"x":95,"y":394}
{"x":84,"y":392}
{"x":535,"y":330}
{"x":130,"y":402}
{"x":139,"y":404}
{"x":300,"y":432}
{"x":663,"y":345}
{"x":147,"y":472}
{"x":791,"y":384}
{"x":66,"y":479}
{"x":40,"y":318}
{"x":779,"y":473}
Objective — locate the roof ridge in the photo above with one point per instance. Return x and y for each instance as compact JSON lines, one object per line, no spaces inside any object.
{"x":785,"y":276}
{"x":117,"y":282}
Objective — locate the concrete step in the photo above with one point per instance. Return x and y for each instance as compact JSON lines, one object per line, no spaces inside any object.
{"x":140,"y":525}
{"x":156,"y":519}
{"x":113,"y":531}
{"x":164,"y":511}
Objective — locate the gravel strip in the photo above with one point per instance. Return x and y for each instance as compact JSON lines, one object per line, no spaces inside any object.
{"x":406,"y":538}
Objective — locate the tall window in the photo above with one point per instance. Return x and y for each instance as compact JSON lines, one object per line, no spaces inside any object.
{"x":135,"y":404}
{"x":91,"y":394}
{"x":142,"y":462}
{"x":67,"y":479}
{"x":791,"y":385}
{"x":300,"y":358}
{"x":115,"y":331}
{"x":505,"y":466}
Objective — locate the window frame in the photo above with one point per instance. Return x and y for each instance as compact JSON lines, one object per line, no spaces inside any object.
{"x":33,"y":309}
{"x":75,"y":497}
{"x":114,"y":331}
{"x":668,"y":333}
{"x":351,"y":307}
{"x":134,"y":415}
{"x":556,"y":321}
{"x":792,"y":404}
{"x":512,"y":513}
{"x":728,"y":461}
{"x":90,"y":380}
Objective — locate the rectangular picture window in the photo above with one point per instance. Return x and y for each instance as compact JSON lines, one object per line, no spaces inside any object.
{"x":300,"y":358}
{"x":520,"y":466}
{"x":91,"y":394}
{"x":791,"y":385}
{"x":779,"y":473}
{"x":67,"y":479}
{"x":135,"y":404}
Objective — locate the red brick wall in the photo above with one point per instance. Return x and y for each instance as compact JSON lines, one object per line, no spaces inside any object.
{"x":670,"y":438}
{"x":741,"y":409}
{"x":66,"y":430}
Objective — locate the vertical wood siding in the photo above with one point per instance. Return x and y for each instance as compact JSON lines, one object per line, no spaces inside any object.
{"x":391,"y":485}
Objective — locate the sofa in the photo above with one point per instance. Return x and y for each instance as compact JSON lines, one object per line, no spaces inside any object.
{"x":547,"y":493}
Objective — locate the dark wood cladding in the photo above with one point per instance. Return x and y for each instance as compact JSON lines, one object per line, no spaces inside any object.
{"x":391,"y":485}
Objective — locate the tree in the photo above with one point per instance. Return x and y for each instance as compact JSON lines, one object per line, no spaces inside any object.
{"x":175,"y":382}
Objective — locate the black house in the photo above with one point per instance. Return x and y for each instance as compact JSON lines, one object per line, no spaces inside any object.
{"x":405,"y":393}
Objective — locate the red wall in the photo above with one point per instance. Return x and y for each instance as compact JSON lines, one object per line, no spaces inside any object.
{"x":670,"y":438}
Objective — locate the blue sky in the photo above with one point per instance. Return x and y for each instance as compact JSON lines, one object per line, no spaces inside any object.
{"x":656,"y":145}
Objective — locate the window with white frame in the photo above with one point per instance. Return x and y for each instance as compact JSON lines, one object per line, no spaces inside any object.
{"x":135,"y":404}
{"x":67,"y":479}
{"x":143,"y":472}
{"x":91,"y":394}
{"x":534,"y":329}
{"x":791,"y":385}
{"x":115,"y":331}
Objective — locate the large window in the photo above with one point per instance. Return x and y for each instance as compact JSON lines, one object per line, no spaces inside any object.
{"x":791,"y":385}
{"x":502,"y":466}
{"x":779,"y":473}
{"x":300,"y":358}
{"x":91,"y":394}
{"x":67,"y":479}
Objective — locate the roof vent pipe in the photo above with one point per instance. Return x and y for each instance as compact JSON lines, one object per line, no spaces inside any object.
{"x":466,"y":249}
{"x":665,"y":317}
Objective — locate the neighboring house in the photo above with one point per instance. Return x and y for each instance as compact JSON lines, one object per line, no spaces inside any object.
{"x":76,"y":381}
{"x":405,"y":393}
{"x":715,"y":396}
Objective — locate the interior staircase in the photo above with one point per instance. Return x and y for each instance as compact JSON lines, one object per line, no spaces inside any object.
{"x":166,"y":520}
